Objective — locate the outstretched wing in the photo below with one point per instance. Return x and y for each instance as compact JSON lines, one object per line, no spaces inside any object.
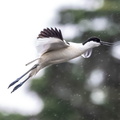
{"x":46,"y":33}
{"x":50,"y":39}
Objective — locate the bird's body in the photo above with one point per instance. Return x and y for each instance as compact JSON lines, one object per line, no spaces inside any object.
{"x":62,"y":55}
{"x":53,"y":49}
{"x":59,"y":56}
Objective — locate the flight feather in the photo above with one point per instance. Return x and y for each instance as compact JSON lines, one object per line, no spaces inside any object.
{"x":50,"y":39}
{"x":46,"y":33}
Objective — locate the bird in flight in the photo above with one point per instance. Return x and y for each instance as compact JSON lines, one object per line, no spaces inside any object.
{"x":53,"y":49}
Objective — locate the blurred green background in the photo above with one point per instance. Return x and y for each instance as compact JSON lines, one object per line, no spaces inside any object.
{"x":84,"y":89}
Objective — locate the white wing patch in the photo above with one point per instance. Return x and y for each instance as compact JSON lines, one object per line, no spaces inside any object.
{"x":44,"y":45}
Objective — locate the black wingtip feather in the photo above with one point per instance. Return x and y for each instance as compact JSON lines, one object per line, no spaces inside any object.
{"x":51,"y":32}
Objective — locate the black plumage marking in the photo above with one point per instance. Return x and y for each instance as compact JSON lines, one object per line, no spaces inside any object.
{"x":46,"y":33}
{"x":95,"y":39}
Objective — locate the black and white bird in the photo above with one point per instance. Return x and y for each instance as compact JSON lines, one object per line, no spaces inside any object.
{"x":53,"y":49}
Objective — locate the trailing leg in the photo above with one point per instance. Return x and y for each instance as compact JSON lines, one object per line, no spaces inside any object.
{"x":18,"y":79}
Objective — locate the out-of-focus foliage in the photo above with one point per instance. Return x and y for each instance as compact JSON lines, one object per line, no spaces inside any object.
{"x":12,"y":117}
{"x":88,"y":89}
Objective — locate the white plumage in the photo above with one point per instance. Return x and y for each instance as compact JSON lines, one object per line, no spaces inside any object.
{"x":53,"y":49}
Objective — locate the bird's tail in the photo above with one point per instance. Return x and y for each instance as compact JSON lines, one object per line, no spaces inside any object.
{"x":33,"y":71}
{"x":32,"y":61}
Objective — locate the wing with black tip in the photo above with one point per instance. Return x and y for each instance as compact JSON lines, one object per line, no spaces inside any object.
{"x":50,"y":39}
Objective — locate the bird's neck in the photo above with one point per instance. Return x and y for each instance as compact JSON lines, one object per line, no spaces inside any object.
{"x":80,"y":47}
{"x":87,"y":46}
{"x":84,"y":47}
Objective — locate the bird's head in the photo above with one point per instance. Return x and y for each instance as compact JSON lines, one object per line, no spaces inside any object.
{"x":95,"y":42}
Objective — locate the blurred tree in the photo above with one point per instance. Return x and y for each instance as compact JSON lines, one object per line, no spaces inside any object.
{"x":75,"y":91}
{"x":87,"y":89}
{"x":12,"y":117}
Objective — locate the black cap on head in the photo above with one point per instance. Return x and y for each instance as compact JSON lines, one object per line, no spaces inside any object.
{"x":95,"y":39}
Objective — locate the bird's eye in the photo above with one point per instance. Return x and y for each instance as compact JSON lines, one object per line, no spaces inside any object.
{"x":96,"y":40}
